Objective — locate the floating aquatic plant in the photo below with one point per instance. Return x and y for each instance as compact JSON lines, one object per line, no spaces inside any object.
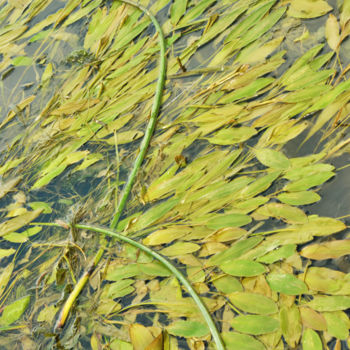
{"x":254,"y":112}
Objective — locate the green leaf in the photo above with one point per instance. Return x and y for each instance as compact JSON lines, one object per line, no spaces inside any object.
{"x":45,"y":179}
{"x":223,"y":22}
{"x":241,"y":341}
{"x":235,"y":251}
{"x":307,"y":93}
{"x":337,"y":324}
{"x":297,"y":173}
{"x":22,"y":61}
{"x":259,"y":185}
{"x":308,"y":77}
{"x":153,"y":214}
{"x":195,"y":11}
{"x":118,"y":344}
{"x":123,"y":271}
{"x":14,"y":311}
{"x":299,"y":198}
{"x":248,"y":91}
{"x":248,"y":22}
{"x":311,"y":340}
{"x":253,"y":303}
{"x":300,"y":64}
{"x":272,"y":159}
{"x":177,"y":9}
{"x":180,"y":248}
{"x":18,"y":222}
{"x":278,"y":254}
{"x":154,"y":269}
{"x":41,"y":35}
{"x":47,"y":314}
{"x":261,"y":27}
{"x":188,"y":329}
{"x":31,"y":231}
{"x":232,"y":136}
{"x":283,"y":211}
{"x":118,"y":289}
{"x":330,"y":96}
{"x":227,"y":284}
{"x":46,"y":209}
{"x":329,"y":303}
{"x":15,"y":237}
{"x":246,"y":268}
{"x":6,"y":252}
{"x":309,"y":181}
{"x":228,"y":220}
{"x":286,"y":283}
{"x":255,"y":324}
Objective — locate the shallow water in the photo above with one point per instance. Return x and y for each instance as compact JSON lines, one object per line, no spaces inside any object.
{"x":335,"y":193}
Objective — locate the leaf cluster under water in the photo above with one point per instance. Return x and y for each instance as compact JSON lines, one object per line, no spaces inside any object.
{"x":223,"y":192}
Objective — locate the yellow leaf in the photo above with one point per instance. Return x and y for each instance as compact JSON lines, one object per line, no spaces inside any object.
{"x":18,"y":222}
{"x":9,"y":185}
{"x":140,"y":336}
{"x":125,"y":137}
{"x":308,"y":8}
{"x":180,"y":248}
{"x":166,"y":235}
{"x":327,"y":250}
{"x":332,"y":32}
{"x":312,"y":319}
{"x":5,"y":277}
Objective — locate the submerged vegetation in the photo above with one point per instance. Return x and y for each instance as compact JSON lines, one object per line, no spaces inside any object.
{"x":253,"y":125}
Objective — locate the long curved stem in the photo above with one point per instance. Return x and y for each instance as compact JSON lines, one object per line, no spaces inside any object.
{"x":137,"y":164}
{"x":183,"y":280}
{"x":126,"y":192}
{"x":153,"y":118}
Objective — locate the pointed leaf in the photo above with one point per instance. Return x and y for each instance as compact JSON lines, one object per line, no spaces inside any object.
{"x":187,"y":329}
{"x":332,"y":32}
{"x":255,"y":324}
{"x":228,"y":220}
{"x":286,"y":283}
{"x":246,"y":268}
{"x":272,"y":159}
{"x":326,"y":250}
{"x":235,"y":251}
{"x":337,"y":324}
{"x":14,"y":311}
{"x":241,"y":341}
{"x":299,"y":198}
{"x":253,"y":303}
{"x":329,"y":303}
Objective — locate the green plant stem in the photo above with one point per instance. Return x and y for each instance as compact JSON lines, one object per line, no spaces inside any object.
{"x":137,"y":164}
{"x":208,"y":319}
{"x":153,"y":118}
{"x":127,"y":189}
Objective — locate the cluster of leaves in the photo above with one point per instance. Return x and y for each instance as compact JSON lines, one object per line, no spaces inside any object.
{"x":217,"y":194}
